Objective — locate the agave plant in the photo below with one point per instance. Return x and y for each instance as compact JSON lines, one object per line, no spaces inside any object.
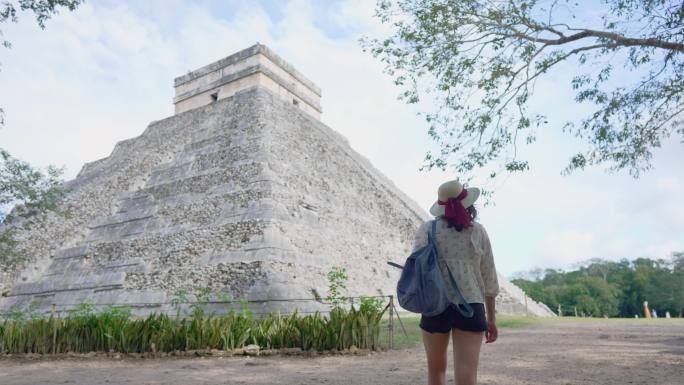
{"x":114,"y":329}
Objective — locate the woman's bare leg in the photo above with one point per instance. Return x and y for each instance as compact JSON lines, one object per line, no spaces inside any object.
{"x":436,"y":345}
{"x":466,"y":355}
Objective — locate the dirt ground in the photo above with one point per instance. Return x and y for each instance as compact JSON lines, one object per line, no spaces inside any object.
{"x":562,"y":353}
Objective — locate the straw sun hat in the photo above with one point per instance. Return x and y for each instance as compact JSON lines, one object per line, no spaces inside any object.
{"x":452,"y":189}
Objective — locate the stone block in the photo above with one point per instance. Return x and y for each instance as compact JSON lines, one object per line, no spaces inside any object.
{"x":64,"y":265}
{"x":72,"y":252}
{"x":171,"y":173}
{"x":69,"y":283}
{"x":123,"y":218}
{"x":134,"y":202}
{"x":133,"y":265}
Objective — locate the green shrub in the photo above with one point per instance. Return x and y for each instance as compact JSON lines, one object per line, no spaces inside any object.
{"x":86,"y":329}
{"x":337,"y":283}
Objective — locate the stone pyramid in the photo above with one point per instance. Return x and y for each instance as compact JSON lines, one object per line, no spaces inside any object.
{"x":243,"y":191}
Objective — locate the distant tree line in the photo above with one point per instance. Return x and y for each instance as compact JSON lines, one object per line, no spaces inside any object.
{"x":614,"y":289}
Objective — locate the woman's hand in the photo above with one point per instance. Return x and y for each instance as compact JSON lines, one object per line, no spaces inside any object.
{"x":492,"y":332}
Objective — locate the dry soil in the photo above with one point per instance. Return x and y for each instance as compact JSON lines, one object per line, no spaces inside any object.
{"x":560,"y":353}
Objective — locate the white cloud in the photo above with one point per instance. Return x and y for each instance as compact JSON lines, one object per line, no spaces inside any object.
{"x":102,"y":73}
{"x":566,"y":247}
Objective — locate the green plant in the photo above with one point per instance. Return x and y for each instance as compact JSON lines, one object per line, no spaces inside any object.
{"x":370,"y":304}
{"x":25,"y":195}
{"x":113,"y":329}
{"x":179,"y":298}
{"x":84,"y":309}
{"x":15,"y":313}
{"x":337,"y":283}
{"x":202,"y":298}
{"x":245,"y":310}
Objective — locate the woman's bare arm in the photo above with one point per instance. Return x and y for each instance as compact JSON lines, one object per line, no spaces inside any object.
{"x":492,"y":332}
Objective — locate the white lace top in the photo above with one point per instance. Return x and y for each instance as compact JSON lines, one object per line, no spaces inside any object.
{"x":469,"y":256}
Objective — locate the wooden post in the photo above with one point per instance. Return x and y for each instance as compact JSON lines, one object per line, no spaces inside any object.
{"x":401,"y":323}
{"x":53,"y":315}
{"x":391,"y":324}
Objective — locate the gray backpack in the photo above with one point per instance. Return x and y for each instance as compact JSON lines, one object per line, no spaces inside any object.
{"x":421,"y":288}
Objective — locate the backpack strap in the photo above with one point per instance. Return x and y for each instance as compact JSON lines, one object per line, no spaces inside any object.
{"x":468,"y":312}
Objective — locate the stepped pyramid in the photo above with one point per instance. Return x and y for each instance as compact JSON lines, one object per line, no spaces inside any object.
{"x":243,"y":191}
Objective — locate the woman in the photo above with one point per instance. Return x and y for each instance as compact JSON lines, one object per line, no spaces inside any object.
{"x":463,"y":244}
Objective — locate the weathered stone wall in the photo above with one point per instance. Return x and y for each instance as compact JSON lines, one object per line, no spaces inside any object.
{"x":142,"y":218}
{"x":202,"y":200}
{"x":249,"y":196}
{"x":94,"y":195}
{"x":341,"y":211}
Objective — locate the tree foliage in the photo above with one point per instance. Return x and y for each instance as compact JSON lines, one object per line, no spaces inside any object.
{"x":608,"y":288}
{"x":32,"y":189}
{"x":29,"y":190}
{"x":42,"y":10}
{"x":481,"y":58}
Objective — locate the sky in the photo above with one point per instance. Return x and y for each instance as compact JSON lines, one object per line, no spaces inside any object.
{"x":102,"y":73}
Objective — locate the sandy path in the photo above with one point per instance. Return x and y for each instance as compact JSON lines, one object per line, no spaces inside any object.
{"x":558,"y":353}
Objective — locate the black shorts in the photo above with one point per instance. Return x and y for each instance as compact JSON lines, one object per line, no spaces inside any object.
{"x":451,"y":318}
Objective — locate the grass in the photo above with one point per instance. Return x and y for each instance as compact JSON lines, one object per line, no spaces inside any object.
{"x":413,"y":335}
{"x":615,"y":321}
{"x":512,"y":321}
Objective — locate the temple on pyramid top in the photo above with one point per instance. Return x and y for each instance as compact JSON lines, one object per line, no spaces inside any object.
{"x":256,"y":65}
